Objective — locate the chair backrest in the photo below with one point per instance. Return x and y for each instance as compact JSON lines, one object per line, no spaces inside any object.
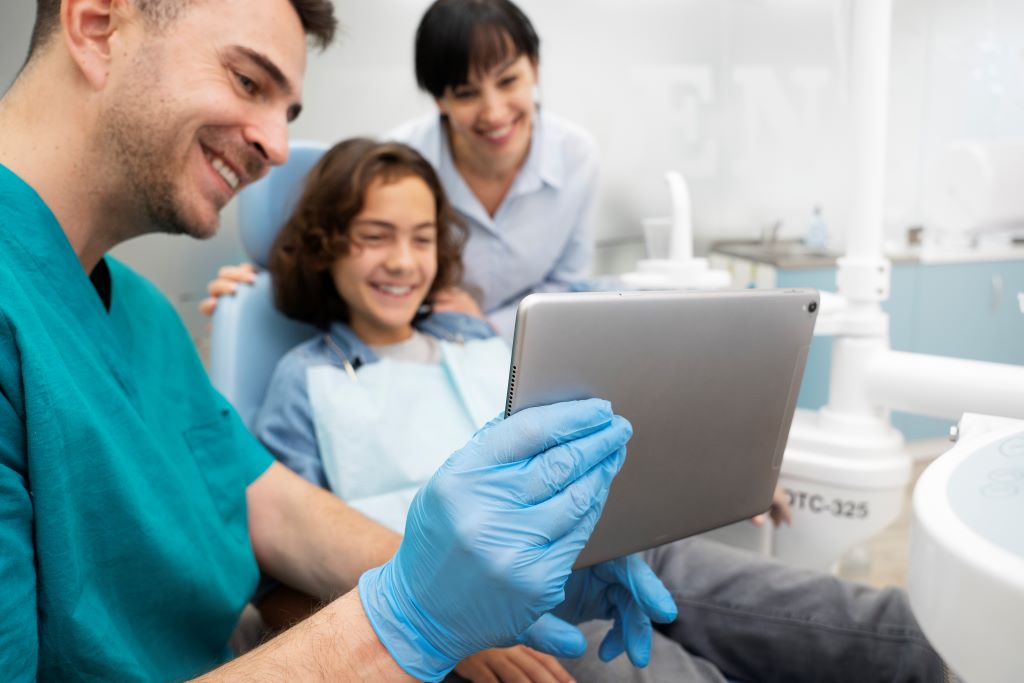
{"x":249,"y":335}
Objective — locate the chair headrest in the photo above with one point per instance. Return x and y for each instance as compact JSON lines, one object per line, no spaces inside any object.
{"x":265,"y":206}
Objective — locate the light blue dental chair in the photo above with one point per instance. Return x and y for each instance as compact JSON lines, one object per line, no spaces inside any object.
{"x":249,"y":335}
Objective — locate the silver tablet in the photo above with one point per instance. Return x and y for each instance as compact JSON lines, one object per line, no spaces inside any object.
{"x":709,"y":381}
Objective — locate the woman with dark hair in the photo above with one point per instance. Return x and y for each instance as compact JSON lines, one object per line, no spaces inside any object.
{"x":523,"y":180}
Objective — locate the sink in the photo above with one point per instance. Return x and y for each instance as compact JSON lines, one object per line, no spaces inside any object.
{"x":779,"y":252}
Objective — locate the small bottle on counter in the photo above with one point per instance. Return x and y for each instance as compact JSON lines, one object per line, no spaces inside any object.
{"x":816,"y":238}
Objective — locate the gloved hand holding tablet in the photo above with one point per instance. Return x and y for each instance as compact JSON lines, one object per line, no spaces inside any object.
{"x":491,"y":539}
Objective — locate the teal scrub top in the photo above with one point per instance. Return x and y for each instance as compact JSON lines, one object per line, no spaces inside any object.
{"x":124,"y":548}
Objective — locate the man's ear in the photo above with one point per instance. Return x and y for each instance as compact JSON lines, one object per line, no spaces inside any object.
{"x":91,"y":30}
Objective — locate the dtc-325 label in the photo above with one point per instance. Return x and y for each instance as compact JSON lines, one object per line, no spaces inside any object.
{"x":823,"y":505}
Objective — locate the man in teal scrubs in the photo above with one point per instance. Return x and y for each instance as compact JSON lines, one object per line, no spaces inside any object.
{"x":135,"y":510}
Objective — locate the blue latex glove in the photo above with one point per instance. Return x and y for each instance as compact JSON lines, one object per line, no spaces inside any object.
{"x":491,"y":539}
{"x":626,"y":590}
{"x":554,"y":636}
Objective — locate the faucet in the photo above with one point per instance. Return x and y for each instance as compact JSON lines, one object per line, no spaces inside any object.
{"x":770,"y":233}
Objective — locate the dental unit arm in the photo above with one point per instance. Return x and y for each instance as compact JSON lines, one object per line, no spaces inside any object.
{"x":845,"y":466}
{"x":967,"y":561}
{"x":848,"y":452}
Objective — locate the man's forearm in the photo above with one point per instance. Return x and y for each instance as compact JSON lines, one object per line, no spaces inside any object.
{"x":335,"y":644}
{"x":339,"y":543}
{"x":309,"y":539}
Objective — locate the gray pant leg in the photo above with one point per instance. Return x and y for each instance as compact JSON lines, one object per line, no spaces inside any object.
{"x":761,"y":620}
{"x":669,"y":662}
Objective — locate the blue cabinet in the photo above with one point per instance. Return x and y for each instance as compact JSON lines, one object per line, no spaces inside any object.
{"x":963,"y":310}
{"x":971,"y":310}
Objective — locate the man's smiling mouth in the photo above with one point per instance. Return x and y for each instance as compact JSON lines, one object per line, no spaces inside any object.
{"x":222,"y":168}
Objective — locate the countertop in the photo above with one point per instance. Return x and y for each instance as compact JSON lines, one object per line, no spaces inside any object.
{"x":794,"y":254}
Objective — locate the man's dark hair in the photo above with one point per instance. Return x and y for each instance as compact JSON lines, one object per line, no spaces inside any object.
{"x":458,"y":36}
{"x":317,"y":17}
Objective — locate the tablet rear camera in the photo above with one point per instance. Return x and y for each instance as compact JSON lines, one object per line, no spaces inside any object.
{"x":812,"y":307}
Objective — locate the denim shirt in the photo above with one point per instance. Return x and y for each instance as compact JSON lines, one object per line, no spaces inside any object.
{"x":285,"y":421}
{"x":541,"y":236}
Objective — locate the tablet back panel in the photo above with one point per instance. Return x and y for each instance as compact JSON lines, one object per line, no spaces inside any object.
{"x":709,"y":381}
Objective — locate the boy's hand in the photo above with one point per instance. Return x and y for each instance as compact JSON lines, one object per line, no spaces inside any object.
{"x":511,"y":665}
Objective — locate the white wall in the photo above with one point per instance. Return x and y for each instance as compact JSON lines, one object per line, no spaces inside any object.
{"x":719,"y":89}
{"x":15,"y":26}
{"x":746,"y":97}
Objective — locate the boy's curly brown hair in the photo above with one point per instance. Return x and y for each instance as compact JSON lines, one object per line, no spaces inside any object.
{"x":318,"y":231}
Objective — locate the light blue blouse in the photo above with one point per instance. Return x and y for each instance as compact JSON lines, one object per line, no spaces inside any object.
{"x":541,"y":237}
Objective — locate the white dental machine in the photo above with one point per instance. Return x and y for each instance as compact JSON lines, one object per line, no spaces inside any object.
{"x":966,"y":577}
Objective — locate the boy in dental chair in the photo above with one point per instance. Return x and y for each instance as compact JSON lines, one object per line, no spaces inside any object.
{"x":372,"y":407}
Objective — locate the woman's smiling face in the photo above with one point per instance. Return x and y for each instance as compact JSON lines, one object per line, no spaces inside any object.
{"x":490,"y":118}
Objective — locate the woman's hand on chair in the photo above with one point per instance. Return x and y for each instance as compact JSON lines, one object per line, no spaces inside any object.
{"x":780,"y":510}
{"x":225,"y":284}
{"x":457,"y":300}
{"x":512,"y":664}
